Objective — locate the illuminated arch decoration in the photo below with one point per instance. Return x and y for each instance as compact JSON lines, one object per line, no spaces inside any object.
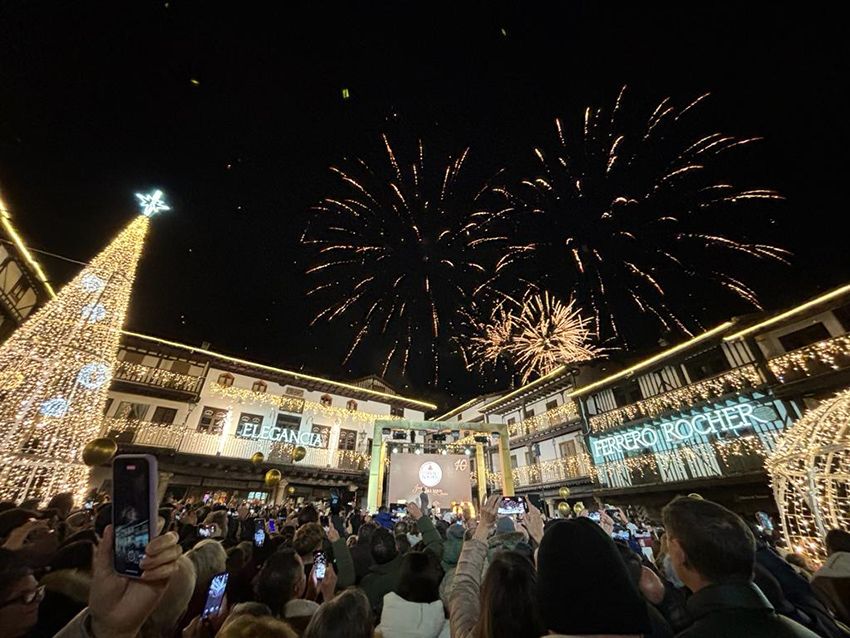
{"x":810,"y":469}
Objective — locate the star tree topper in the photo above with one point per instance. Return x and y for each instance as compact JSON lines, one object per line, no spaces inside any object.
{"x":152,"y":203}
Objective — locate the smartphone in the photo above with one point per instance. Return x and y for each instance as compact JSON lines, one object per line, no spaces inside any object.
{"x":215,"y":595}
{"x":320,"y":562}
{"x":272,"y":528}
{"x":397,"y":512}
{"x":89,"y":504}
{"x":134,"y":512}
{"x":259,"y":532}
{"x":513,"y":505}
{"x":205,"y":531}
{"x":594,"y":516}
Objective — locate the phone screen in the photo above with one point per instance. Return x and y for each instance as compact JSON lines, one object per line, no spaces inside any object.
{"x":206,"y":531}
{"x":259,"y":532}
{"x":321,"y":564}
{"x":215,"y":595}
{"x":512,"y":506}
{"x":272,"y":528}
{"x":134,"y":479}
{"x":397,"y":511}
{"x":594,"y":516}
{"x":88,"y":505}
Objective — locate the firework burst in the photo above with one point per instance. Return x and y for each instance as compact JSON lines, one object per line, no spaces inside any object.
{"x":536,"y":336}
{"x":398,"y":254}
{"x":629,"y":215}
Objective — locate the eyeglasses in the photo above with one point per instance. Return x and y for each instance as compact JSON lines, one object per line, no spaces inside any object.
{"x":27,"y":598}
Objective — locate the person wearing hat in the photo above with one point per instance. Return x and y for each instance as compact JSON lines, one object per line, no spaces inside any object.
{"x":583,"y":585}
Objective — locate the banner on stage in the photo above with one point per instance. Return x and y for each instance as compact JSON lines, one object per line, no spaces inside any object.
{"x":430,"y":480}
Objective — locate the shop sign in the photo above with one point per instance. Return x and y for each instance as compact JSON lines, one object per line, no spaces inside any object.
{"x":252,"y":427}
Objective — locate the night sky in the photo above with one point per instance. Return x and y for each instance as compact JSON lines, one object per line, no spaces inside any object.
{"x":237,"y":114}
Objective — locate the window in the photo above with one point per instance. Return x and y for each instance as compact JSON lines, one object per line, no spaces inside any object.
{"x":511,"y":420}
{"x":131,"y":411}
{"x":627,"y":393}
{"x":567,"y":449}
{"x":249,"y":425}
{"x":259,"y":386}
{"x":131,"y":356}
{"x":396,"y":410}
{"x":529,"y":413}
{"x":706,"y":364}
{"x":804,"y":337}
{"x":460,"y":417}
{"x":212,"y":420}
{"x":18,"y":289}
{"x":180,"y":367}
{"x":288,"y":422}
{"x":324,"y":433}
{"x":163,"y":416}
{"x":351,"y":405}
{"x":225,"y":379}
{"x":326,"y":400}
{"x":108,"y":405}
{"x":514,"y":463}
{"x":529,"y":457}
{"x":551,"y":405}
{"x":347,"y":440}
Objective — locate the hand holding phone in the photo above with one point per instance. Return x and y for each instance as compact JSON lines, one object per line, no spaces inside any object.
{"x":215,"y":595}
{"x":512,"y":506}
{"x":134,"y":511}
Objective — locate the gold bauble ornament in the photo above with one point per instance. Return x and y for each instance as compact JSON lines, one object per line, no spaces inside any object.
{"x":564,"y":509}
{"x":299,"y":453}
{"x":695,"y":495}
{"x":257,"y":458}
{"x":578,"y":508}
{"x":290,"y":490}
{"x":99,"y":451}
{"x":564,"y":492}
{"x":273,"y":477}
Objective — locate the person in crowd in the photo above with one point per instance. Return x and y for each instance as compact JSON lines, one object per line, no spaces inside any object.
{"x":801,"y":565}
{"x":20,"y":596}
{"x":402,"y":544}
{"x":355,"y":520}
{"x":218,"y":518}
{"x":832,"y":581}
{"x":384,"y":518}
{"x":506,"y":536}
{"x":66,"y":587}
{"x":651,"y":588}
{"x":384,"y":574}
{"x":346,"y":616}
{"x":361,"y":552}
{"x":713,"y":552}
{"x":452,"y":547}
{"x":208,"y":558}
{"x":167,"y":613}
{"x":578,"y":562}
{"x":414,"y":608}
{"x":505,"y":605}
{"x":62,"y":504}
{"x":251,"y":626}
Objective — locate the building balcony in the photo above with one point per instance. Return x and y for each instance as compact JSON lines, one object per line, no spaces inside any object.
{"x":740,"y":379}
{"x":570,"y":468}
{"x":156,"y":378}
{"x":178,"y":439}
{"x":547,"y":423}
{"x":822,"y":357}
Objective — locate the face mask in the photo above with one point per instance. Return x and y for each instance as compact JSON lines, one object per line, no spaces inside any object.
{"x":413,"y":539}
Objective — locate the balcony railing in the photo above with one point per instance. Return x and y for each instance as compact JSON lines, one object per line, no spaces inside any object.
{"x":180,"y":439}
{"x":549,"y":420}
{"x":554,"y":471}
{"x":156,"y":377}
{"x":743,"y":378}
{"x":816,"y":358}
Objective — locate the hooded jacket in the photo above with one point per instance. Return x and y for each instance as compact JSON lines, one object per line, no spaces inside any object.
{"x":832,"y":584}
{"x":404,"y":619}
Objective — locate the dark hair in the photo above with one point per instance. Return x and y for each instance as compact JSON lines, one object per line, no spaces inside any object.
{"x":62,"y":501}
{"x":346,"y":616}
{"x":236,"y":559}
{"x":717,"y":543}
{"x":30,"y":504}
{"x":419,"y":578}
{"x":382,"y":508}
{"x":76,"y":555}
{"x":14,"y":518}
{"x":508,"y":608}
{"x":837,"y":540}
{"x":402,"y":544}
{"x":308,"y":514}
{"x":277,"y":579}
{"x":365,"y":533}
{"x":383,"y":546}
{"x":12,"y":569}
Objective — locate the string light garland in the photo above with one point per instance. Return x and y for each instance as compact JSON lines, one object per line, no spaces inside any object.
{"x":549,"y":420}
{"x":55,"y":372}
{"x":138,"y":373}
{"x":744,"y":378}
{"x":830,"y":353}
{"x":810,"y":473}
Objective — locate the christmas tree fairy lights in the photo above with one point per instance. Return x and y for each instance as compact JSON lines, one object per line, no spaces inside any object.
{"x":56,"y":368}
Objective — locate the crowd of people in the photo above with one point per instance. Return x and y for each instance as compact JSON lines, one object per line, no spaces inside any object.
{"x":335,"y":572}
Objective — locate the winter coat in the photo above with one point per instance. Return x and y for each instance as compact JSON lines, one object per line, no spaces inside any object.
{"x":361,"y":554}
{"x":832,"y":584}
{"x":404,"y":619}
{"x":738,"y":610}
{"x":451,"y":552}
{"x":382,"y":579}
{"x":66,"y":593}
{"x":464,"y":600}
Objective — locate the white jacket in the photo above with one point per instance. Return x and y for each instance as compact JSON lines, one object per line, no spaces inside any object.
{"x":403,"y":619}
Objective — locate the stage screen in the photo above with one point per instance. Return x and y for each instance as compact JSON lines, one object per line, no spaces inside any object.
{"x":445,"y":478}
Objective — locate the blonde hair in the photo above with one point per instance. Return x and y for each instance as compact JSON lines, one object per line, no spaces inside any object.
{"x":172,"y":606}
{"x":209,"y":559}
{"x":219,"y":518}
{"x":246,"y":626}
{"x":308,"y":538}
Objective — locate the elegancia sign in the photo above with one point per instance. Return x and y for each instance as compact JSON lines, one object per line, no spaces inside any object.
{"x":717,"y":422}
{"x":249,"y":429}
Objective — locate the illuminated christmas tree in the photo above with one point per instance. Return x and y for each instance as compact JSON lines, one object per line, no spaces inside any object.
{"x":55,"y":370}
